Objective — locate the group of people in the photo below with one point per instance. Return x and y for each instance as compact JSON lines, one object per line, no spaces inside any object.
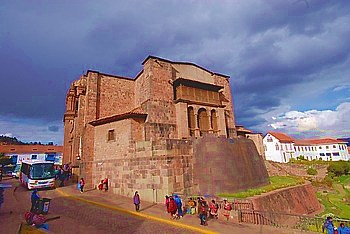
{"x":211,"y":210}
{"x":33,"y":217}
{"x":331,"y":229}
{"x":174,"y":206}
{"x":63,"y":173}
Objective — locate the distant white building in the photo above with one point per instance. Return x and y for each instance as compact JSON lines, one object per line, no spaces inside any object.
{"x":327,"y":149}
{"x":18,"y":153}
{"x":280,"y":147}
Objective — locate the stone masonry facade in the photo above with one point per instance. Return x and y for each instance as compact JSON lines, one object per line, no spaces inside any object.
{"x":142,"y":132}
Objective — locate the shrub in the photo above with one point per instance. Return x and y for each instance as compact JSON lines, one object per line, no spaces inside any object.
{"x":301,"y":157}
{"x":339,"y":168}
{"x":311,"y":171}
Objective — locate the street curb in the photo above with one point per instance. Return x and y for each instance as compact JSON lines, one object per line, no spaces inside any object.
{"x":142,"y":215}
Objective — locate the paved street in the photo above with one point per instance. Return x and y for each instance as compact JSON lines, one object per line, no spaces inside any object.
{"x":76,"y":217}
{"x":104,"y":212}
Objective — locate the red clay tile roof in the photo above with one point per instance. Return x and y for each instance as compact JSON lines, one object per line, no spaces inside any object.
{"x":282,"y":137}
{"x":325,"y":141}
{"x":303,"y":142}
{"x":20,"y":149}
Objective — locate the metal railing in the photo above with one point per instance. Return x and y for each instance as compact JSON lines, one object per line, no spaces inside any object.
{"x":284,"y":220}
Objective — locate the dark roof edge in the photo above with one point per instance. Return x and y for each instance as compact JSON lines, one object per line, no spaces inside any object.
{"x":185,"y":63}
{"x":128,"y":115}
{"x":115,"y":76}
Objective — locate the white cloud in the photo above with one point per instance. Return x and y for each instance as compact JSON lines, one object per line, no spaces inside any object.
{"x":316,"y":123}
{"x":31,"y":130}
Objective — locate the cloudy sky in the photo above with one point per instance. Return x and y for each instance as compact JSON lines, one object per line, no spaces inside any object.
{"x":288,"y":60}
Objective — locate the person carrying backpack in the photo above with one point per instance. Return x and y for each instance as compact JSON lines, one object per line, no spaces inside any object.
{"x":172,"y":207}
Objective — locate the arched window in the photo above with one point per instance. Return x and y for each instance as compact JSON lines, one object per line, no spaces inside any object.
{"x":191,"y":120}
{"x":203,"y":121}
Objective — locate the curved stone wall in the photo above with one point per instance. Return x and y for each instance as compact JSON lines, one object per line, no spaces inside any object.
{"x":223,"y":165}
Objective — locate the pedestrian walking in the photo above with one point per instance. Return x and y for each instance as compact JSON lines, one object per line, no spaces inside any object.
{"x":179,"y":205}
{"x":227,"y":209}
{"x":213,"y":210}
{"x":137,"y":201}
{"x":35,"y":200}
{"x":105,"y":184}
{"x":81,"y":185}
{"x":203,"y":212}
{"x":172,"y":207}
{"x":167,"y":200}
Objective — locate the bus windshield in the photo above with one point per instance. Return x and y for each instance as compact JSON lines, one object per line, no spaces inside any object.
{"x":41,"y":171}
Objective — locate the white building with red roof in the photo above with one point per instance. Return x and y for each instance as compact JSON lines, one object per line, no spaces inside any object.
{"x":279,"y":147}
{"x":327,"y":149}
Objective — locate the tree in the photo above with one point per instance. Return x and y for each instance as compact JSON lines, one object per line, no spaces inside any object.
{"x":5,"y":160}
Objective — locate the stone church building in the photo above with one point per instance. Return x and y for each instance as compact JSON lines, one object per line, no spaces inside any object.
{"x":169,"y":129}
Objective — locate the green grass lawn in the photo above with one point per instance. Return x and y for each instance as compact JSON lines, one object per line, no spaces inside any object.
{"x":335,"y":202}
{"x":277,"y":182}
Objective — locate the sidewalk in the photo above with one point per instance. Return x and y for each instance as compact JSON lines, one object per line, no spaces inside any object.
{"x":158,"y":213}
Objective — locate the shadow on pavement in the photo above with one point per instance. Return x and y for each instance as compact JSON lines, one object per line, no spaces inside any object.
{"x":147,"y":207}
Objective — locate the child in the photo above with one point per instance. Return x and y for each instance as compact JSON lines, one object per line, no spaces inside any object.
{"x":82,"y":184}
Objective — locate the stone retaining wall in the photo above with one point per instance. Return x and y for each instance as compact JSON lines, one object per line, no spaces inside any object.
{"x":300,"y":199}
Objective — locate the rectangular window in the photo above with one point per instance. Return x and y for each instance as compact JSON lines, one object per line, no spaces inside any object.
{"x":320,"y":147}
{"x":50,"y":157}
{"x":34,"y":156}
{"x":321,"y":154}
{"x":334,"y":146}
{"x":111,"y":135}
{"x":336,"y":154}
{"x":328,"y":154}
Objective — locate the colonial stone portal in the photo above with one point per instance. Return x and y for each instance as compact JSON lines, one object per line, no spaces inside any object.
{"x":159,"y":132}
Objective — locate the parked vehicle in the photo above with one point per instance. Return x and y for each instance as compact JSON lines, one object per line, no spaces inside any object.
{"x":16,"y":171}
{"x":37,"y":174}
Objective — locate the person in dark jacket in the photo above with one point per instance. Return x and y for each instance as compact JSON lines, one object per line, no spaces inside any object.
{"x":35,"y":200}
{"x":203,"y":212}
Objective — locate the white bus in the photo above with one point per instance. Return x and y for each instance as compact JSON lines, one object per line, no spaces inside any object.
{"x":37,"y":174}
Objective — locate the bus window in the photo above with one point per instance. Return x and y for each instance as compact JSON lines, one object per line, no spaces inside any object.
{"x":41,"y":171}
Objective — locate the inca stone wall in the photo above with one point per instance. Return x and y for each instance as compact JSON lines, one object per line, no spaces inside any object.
{"x":299,"y":199}
{"x":224,"y":165}
{"x":154,"y":168}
